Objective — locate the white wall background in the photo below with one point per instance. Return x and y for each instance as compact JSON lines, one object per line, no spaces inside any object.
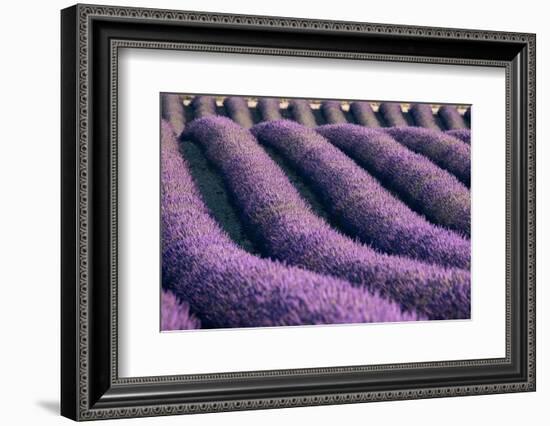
{"x":29,"y":214}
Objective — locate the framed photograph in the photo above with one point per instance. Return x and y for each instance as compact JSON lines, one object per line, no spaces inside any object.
{"x":263,"y":212}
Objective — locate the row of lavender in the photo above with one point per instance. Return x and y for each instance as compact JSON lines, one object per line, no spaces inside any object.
{"x":388,"y":114}
{"x":408,"y":258}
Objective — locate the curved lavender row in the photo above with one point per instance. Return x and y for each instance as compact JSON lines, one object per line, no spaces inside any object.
{"x":237,"y":109}
{"x":444,"y":150}
{"x":269,"y":109}
{"x":332,"y":111}
{"x":392,"y":113}
{"x":175,"y":315}
{"x":228,"y":287}
{"x":463,"y":134}
{"x":451,"y":117}
{"x":364,"y":114}
{"x":423,"y":116}
{"x":204,"y":106}
{"x":287,"y":229}
{"x":363,"y":207}
{"x":302,"y":113}
{"x":172,"y":110}
{"x":427,"y":188}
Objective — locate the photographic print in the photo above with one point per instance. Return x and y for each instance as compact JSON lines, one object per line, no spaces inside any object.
{"x":343,"y":243}
{"x":288,"y":212}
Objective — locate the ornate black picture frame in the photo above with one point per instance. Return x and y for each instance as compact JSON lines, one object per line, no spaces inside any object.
{"x":90,"y":38}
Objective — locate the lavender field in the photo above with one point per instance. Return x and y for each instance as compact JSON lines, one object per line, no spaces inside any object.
{"x":286,"y":212}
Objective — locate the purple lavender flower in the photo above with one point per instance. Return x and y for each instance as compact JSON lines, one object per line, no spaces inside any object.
{"x":285,"y":228}
{"x":269,"y":109}
{"x":423,"y":116}
{"x":364,"y":114}
{"x":451,"y":117}
{"x":444,"y":150}
{"x":175,"y":315}
{"x":302,"y":113}
{"x":332,"y":111}
{"x":204,"y":106}
{"x":392,"y":113}
{"x":237,"y":109}
{"x":228,"y":287}
{"x":361,"y":205}
{"x":172,"y":110}
{"x":463,"y":134}
{"x":424,"y":186}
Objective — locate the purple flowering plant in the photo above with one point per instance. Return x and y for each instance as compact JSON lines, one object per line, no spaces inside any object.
{"x":390,"y":244}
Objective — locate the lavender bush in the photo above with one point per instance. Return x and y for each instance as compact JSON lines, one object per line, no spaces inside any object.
{"x":451,"y":117}
{"x":302,"y":113}
{"x":444,"y":150}
{"x":173,"y":111}
{"x":175,"y":315}
{"x":286,"y":228}
{"x":203,"y":106}
{"x":423,"y":116}
{"x":332,"y":111}
{"x":237,"y":109}
{"x":392,"y":113}
{"x":424,"y":186}
{"x":228,"y":287}
{"x":269,"y":109}
{"x":364,"y":114}
{"x":363,"y":207}
{"x":463,"y":134}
